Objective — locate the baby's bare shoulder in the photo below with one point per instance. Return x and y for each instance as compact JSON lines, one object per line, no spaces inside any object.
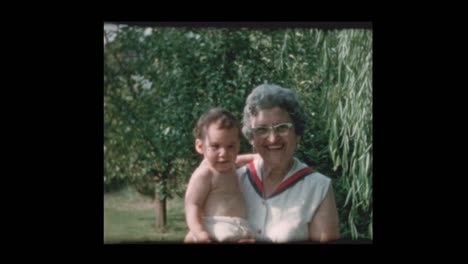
{"x":202,"y":171}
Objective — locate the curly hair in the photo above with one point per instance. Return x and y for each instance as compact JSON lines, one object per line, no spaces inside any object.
{"x":222,"y":117}
{"x":267,"y":96}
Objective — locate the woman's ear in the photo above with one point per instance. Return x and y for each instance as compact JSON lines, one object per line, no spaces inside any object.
{"x":253,"y":146}
{"x":199,"y":146}
{"x":298,"y":140}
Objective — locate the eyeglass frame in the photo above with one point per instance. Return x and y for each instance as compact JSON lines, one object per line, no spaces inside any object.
{"x":273,"y":128}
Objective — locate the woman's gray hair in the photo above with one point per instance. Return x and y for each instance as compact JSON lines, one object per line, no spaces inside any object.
{"x":268,"y":96}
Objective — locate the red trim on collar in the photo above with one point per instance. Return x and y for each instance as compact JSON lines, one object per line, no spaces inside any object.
{"x":298,"y":174}
{"x":292,"y":179}
{"x":255,"y":177}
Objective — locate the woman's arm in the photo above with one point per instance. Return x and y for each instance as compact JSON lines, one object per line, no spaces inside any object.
{"x":245,"y":158}
{"x":324,"y":224}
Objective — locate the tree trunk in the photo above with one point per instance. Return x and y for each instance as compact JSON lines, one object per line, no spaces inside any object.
{"x":160,"y":209}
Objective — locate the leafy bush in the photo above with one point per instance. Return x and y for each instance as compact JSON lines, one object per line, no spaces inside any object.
{"x":158,"y":81}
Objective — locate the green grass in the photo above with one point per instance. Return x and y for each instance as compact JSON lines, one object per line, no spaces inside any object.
{"x":130,"y":217}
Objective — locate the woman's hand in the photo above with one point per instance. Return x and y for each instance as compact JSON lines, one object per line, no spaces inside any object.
{"x":243,"y":159}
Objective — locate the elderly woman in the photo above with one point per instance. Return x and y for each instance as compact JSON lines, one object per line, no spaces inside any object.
{"x":286,"y":200}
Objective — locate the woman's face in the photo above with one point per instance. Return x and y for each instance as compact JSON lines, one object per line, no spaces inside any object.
{"x":275,"y":148}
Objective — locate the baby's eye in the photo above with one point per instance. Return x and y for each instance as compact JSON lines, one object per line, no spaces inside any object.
{"x":214,"y":146}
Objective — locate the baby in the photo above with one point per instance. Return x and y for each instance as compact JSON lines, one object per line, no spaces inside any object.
{"x":214,"y":205}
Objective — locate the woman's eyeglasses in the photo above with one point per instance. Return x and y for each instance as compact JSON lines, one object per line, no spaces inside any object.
{"x":280,"y":129}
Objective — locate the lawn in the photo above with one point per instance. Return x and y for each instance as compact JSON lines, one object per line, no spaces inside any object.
{"x":130,"y":217}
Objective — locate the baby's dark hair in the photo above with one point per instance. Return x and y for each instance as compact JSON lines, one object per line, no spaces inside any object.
{"x":222,"y":117}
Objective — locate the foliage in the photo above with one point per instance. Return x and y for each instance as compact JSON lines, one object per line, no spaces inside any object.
{"x":349,"y":110}
{"x":158,"y":81}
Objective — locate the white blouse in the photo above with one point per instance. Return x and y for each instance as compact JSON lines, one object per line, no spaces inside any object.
{"x":285,"y":215}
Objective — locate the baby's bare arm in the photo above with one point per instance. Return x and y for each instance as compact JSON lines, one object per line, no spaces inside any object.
{"x":197,"y":191}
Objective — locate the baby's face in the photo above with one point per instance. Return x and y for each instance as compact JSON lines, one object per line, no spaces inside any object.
{"x":220,"y":147}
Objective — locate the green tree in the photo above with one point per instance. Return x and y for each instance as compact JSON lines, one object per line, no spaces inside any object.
{"x":348,"y":98}
{"x":147,"y":111}
{"x":158,"y":81}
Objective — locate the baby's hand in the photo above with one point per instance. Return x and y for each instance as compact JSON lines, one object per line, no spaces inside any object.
{"x":202,"y":237}
{"x":246,"y":240}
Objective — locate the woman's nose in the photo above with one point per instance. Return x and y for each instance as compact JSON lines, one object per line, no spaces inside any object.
{"x":272,"y":137}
